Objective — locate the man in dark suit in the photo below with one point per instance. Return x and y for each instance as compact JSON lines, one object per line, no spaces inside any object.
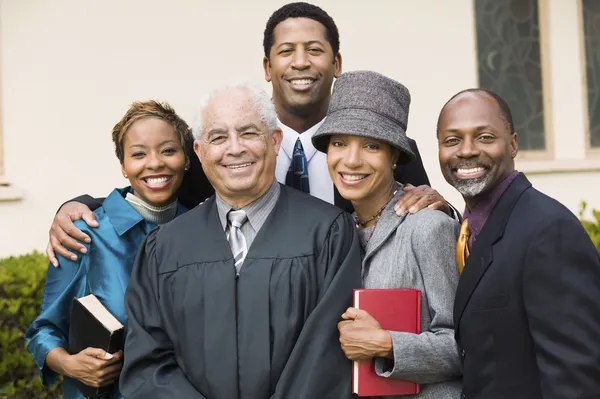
{"x":527,"y":308}
{"x":302,"y":58}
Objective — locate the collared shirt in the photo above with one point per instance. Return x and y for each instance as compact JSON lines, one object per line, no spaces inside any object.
{"x":321,"y":185}
{"x":103,"y":271}
{"x":482,"y":210}
{"x":257,"y":212}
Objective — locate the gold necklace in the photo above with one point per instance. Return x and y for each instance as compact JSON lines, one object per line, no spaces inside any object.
{"x":360,"y":224}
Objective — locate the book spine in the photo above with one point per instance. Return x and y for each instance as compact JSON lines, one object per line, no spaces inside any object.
{"x":115,"y":342}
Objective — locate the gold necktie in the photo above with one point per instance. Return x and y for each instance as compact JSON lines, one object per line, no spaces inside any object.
{"x":462,"y":245}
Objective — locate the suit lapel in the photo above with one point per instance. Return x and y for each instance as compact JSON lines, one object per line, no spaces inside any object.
{"x":482,"y":255}
{"x":386,"y":225}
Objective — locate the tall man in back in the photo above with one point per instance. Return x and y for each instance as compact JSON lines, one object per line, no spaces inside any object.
{"x":527,"y":308}
{"x":302,"y":57}
{"x":301,"y":60}
{"x":221,"y":304}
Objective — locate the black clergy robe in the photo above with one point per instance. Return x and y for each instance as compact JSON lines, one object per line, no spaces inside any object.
{"x":196,"y":330}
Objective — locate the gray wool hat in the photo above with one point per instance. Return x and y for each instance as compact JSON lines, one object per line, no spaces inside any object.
{"x":367,"y":104}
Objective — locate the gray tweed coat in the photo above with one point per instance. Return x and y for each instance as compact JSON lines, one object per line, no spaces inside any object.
{"x":418,"y":251}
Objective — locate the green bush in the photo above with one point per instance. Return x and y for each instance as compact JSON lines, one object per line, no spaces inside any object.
{"x":21,"y":288}
{"x":591,"y":226}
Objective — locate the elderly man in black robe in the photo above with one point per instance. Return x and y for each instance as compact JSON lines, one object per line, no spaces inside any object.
{"x":240,"y":297}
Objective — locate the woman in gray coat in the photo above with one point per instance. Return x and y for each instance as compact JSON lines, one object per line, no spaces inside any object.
{"x":364,"y":138}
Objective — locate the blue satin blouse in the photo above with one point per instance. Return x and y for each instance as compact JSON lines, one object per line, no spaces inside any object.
{"x":103,"y":271}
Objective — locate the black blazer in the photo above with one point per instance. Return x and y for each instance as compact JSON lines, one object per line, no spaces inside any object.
{"x":527,"y":308}
{"x":196,"y":187}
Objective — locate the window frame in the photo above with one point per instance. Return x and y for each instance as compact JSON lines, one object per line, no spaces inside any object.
{"x":590,"y":152}
{"x":8,"y":192}
{"x":548,"y":152}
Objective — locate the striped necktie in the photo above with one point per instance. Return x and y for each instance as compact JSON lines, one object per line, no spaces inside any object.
{"x":297,"y":175}
{"x":236,"y":238}
{"x":462,"y":245}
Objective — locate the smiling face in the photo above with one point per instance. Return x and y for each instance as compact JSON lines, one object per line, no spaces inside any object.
{"x":476,"y":150}
{"x":237,"y":152}
{"x":153,"y":161}
{"x":361,"y":168}
{"x":301,"y":66}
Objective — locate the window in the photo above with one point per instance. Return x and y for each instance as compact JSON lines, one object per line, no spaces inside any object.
{"x":509,"y":63}
{"x":591,"y":34}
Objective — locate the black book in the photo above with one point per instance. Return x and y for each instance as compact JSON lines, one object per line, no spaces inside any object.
{"x":92,"y":325}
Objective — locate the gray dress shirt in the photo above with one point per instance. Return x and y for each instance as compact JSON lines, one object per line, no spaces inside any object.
{"x":258,"y":211}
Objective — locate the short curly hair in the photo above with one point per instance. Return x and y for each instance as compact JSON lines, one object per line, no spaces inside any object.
{"x":150,"y":109}
{"x":301,"y":10}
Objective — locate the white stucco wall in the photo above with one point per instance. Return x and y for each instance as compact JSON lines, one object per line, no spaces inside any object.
{"x":70,"y":68}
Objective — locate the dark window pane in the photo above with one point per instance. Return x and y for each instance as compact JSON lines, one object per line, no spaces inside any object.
{"x":591,"y":28}
{"x":508,"y":47}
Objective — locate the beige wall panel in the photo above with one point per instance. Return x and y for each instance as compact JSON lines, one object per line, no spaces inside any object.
{"x":70,"y":68}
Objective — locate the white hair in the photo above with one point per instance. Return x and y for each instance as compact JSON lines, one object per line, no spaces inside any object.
{"x":259,"y":98}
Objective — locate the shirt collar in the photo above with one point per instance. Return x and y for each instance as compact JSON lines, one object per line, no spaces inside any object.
{"x":268,"y":200}
{"x":290,"y":136}
{"x":480,"y":212}
{"x":121,"y":215}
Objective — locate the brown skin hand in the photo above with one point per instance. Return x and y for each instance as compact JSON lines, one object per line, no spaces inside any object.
{"x":362,"y":338}
{"x":63,"y":234}
{"x":417,"y":198}
{"x":92,"y":366}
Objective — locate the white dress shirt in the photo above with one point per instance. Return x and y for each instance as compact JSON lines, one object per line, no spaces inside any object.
{"x":321,"y":185}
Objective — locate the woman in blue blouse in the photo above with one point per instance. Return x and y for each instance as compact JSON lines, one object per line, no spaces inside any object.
{"x":150,"y":144}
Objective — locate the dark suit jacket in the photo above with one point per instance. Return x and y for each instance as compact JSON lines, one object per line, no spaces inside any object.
{"x":196,"y":187}
{"x":527,"y":308}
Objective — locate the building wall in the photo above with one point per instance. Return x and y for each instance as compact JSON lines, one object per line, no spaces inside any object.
{"x":70,"y":68}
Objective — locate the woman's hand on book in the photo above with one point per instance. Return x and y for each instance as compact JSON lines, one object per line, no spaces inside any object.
{"x":362,"y":337}
{"x":95,"y":367}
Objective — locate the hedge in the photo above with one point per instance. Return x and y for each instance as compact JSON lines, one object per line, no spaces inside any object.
{"x":591,"y":226}
{"x":21,"y":288}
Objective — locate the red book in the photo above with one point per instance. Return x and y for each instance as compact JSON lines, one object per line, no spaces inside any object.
{"x":396,"y":309}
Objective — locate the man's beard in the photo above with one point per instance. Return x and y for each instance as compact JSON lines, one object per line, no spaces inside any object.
{"x":469,"y":188}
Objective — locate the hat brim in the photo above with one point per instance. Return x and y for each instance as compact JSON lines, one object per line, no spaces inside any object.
{"x":363,"y":123}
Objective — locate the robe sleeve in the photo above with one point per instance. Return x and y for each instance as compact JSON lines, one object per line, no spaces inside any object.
{"x":87,"y":200}
{"x":51,"y":328}
{"x":317,"y":367}
{"x":150,"y":369}
{"x":431,"y":356}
